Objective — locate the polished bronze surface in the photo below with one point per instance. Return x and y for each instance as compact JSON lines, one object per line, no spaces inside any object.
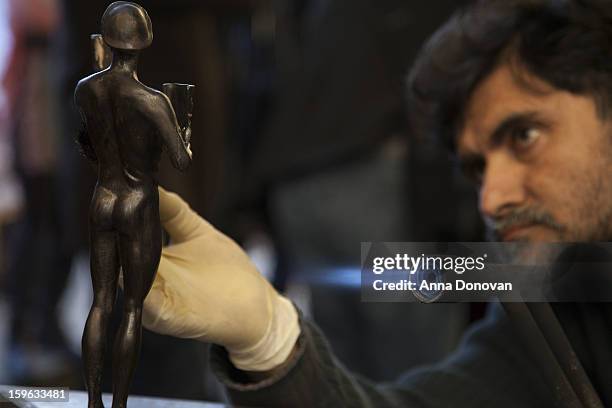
{"x":126,"y":126}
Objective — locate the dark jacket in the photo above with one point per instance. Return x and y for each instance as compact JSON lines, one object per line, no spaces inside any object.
{"x":491,"y":368}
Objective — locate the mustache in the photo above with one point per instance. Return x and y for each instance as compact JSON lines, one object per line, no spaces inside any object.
{"x":521,"y":217}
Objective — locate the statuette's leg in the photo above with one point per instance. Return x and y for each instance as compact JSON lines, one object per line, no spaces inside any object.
{"x":140,"y":253}
{"x":104,"y":274}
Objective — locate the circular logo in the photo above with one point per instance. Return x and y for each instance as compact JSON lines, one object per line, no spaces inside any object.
{"x":428,"y":283}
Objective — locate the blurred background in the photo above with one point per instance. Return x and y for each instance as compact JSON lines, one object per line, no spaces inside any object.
{"x":301,"y":151}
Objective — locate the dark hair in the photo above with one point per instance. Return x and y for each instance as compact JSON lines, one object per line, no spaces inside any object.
{"x":567,"y":44}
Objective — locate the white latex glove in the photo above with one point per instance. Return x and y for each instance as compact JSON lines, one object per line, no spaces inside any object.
{"x":208,"y":289}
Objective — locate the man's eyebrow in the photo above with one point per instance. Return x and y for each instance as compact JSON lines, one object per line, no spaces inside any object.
{"x":510,"y":122}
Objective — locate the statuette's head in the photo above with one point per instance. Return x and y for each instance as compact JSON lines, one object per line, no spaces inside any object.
{"x":126,"y":26}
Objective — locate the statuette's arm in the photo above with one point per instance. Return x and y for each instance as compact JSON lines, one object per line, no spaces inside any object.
{"x":175,"y":138}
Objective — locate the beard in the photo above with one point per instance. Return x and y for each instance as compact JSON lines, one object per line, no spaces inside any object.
{"x":521,"y":218}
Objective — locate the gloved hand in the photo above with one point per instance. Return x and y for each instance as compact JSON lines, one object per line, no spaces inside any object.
{"x":206,"y":288}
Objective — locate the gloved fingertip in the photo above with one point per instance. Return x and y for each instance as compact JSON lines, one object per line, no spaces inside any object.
{"x":169,"y":204}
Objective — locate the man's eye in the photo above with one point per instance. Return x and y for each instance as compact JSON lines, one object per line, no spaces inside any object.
{"x":523,"y":138}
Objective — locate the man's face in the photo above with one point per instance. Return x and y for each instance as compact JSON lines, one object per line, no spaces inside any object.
{"x":542,"y":158}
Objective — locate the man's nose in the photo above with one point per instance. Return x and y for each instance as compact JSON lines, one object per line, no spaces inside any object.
{"x":503,"y":185}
